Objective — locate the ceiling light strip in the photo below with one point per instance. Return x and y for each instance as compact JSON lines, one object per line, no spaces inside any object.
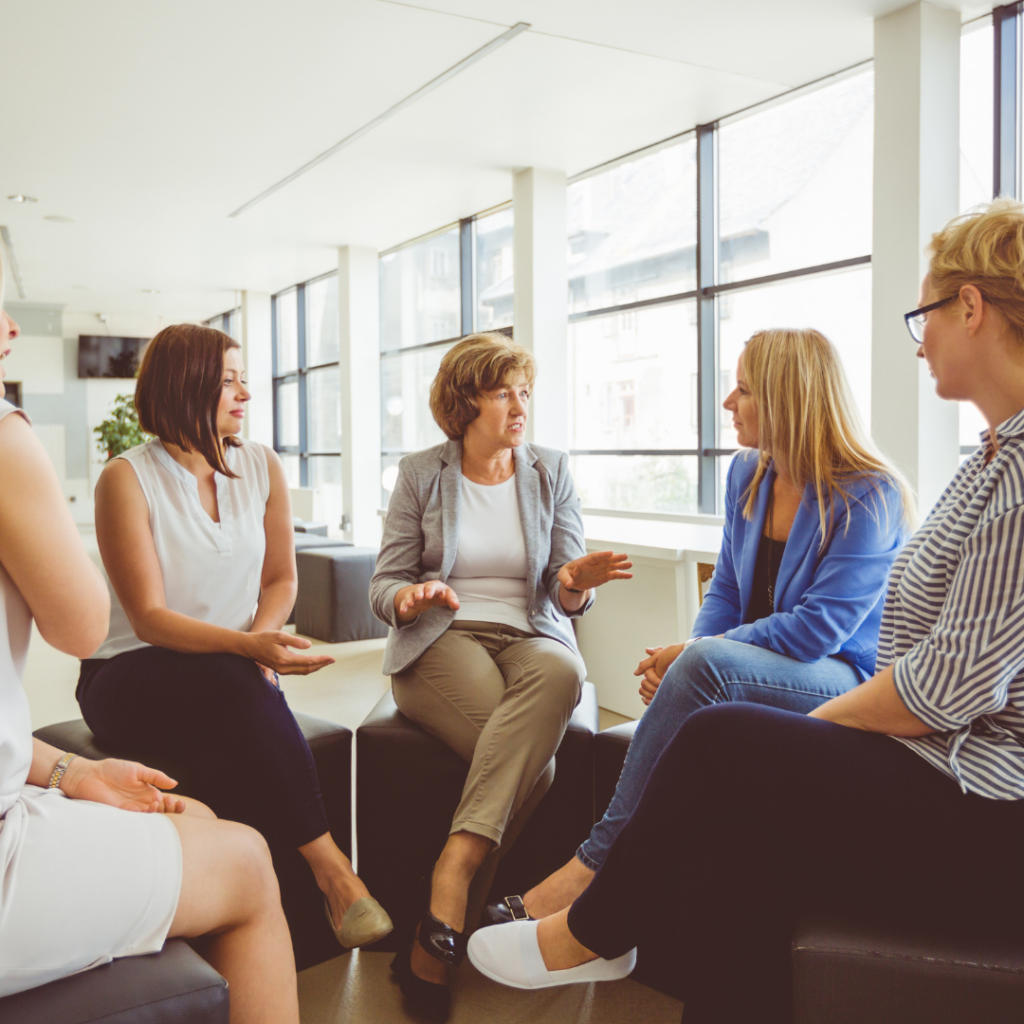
{"x":455,"y":69}
{"x":5,"y":234}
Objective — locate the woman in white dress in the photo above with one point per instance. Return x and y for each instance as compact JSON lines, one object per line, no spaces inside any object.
{"x":83,"y":880}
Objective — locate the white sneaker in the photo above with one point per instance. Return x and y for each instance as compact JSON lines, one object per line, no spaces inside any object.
{"x":509,"y":954}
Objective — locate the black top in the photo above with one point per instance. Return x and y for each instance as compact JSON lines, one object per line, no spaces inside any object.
{"x":760,"y":606}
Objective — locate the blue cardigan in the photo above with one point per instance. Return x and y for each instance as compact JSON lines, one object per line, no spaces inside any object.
{"x":828,"y":602}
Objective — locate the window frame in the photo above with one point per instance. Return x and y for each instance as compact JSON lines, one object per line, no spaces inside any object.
{"x":299,"y":376}
{"x":467,"y":297}
{"x":708,"y":293}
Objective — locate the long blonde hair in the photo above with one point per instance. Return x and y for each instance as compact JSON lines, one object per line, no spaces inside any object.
{"x":807,"y":419}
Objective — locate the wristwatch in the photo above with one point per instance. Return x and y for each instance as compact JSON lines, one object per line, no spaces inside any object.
{"x":58,"y":772}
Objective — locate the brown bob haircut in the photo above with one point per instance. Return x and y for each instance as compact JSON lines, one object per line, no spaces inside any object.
{"x":480,"y":362}
{"x":179,"y":390}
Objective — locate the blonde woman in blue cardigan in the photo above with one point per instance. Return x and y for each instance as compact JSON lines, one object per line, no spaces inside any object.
{"x":814,"y":517}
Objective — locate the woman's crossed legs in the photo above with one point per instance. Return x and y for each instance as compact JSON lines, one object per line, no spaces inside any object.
{"x":709,"y":671}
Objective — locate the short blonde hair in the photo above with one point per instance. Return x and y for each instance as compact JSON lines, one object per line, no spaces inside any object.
{"x":807,"y":419}
{"x":480,"y":362}
{"x":984,"y":248}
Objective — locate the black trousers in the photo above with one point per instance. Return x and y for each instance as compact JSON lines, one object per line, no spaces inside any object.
{"x":221,"y":724}
{"x":753,"y":816}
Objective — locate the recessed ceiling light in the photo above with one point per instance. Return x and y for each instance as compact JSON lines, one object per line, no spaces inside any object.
{"x":59,"y":218}
{"x":19,"y":198}
{"x":150,"y":291}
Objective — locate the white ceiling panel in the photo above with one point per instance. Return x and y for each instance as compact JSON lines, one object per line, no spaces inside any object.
{"x":149,"y":123}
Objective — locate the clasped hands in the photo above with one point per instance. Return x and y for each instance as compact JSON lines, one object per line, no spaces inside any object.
{"x":656,"y":664}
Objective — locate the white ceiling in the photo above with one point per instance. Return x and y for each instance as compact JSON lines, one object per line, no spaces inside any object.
{"x":149,"y":123}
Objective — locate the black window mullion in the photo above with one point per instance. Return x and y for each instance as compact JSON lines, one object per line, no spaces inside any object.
{"x":300,"y":312}
{"x":1006,"y":161}
{"x":707,"y":326}
{"x":273,"y":364}
{"x":466,"y":274}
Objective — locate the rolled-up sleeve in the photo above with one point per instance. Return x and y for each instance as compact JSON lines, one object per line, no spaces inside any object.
{"x":567,"y":541}
{"x":401,"y":551}
{"x":964,"y":666}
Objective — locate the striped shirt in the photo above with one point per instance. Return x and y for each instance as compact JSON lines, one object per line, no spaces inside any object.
{"x":953,"y":624}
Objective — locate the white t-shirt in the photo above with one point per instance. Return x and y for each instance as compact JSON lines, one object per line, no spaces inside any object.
{"x":211,"y":571}
{"x":489,"y":574}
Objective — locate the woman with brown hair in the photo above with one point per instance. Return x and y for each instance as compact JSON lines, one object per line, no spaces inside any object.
{"x":97,"y":863}
{"x":195,"y":530}
{"x":481,"y":569}
{"x":814,"y":516}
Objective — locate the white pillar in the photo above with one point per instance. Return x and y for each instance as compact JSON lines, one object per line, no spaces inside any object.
{"x":541,"y":297}
{"x":359,"y":358}
{"x":916,"y":190}
{"x":257,"y":358}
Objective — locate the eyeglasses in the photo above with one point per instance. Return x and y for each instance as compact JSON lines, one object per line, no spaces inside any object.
{"x":915,"y":319}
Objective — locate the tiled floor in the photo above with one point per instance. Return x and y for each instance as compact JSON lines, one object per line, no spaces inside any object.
{"x":357,"y":987}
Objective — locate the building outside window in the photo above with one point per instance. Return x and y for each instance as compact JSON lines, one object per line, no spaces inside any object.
{"x":434,"y":291}
{"x":790,"y":253}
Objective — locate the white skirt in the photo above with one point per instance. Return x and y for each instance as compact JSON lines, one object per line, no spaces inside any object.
{"x":84,"y":883}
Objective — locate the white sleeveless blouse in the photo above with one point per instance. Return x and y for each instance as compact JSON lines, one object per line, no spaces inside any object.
{"x":211,"y":571}
{"x":15,"y":719}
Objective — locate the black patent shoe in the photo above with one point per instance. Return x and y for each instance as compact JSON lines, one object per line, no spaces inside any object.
{"x":511,"y":908}
{"x":427,"y":999}
{"x":424,"y":999}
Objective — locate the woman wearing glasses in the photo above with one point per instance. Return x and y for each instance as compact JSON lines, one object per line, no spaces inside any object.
{"x":814,"y":517}
{"x":903,"y":796}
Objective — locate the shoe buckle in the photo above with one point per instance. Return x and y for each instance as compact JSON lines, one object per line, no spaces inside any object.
{"x":517,"y":908}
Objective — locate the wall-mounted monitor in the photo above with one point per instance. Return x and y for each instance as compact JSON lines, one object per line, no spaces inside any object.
{"x":99,"y":355}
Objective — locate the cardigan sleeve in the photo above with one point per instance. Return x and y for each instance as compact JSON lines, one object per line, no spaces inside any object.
{"x":721,"y":609}
{"x":848,"y":581}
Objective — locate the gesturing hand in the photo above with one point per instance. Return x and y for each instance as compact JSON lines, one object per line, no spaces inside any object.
{"x":594,"y":569}
{"x":280,"y":651}
{"x":127,"y":785}
{"x":416,"y":599}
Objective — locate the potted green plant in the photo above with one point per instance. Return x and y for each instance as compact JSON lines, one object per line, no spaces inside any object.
{"x":121,"y":430}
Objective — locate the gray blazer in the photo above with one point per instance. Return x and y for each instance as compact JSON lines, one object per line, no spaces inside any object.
{"x":421,"y":538}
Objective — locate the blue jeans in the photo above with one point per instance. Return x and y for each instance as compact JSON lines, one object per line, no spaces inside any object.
{"x":711,"y":671}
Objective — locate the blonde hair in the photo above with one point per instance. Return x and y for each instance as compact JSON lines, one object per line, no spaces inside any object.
{"x":480,"y":362}
{"x":984,"y":248}
{"x":807,"y":419}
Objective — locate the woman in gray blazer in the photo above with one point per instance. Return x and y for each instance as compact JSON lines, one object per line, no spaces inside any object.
{"x":481,"y":567}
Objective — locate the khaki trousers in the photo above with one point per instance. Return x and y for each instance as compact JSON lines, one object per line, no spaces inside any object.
{"x":501,"y":699}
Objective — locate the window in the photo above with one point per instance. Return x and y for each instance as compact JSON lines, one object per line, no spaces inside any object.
{"x":434,"y":291}
{"x":229,"y":322}
{"x":307,"y":390}
{"x":657,"y":322}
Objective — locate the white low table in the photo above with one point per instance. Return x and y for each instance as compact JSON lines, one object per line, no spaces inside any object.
{"x":655,"y":608}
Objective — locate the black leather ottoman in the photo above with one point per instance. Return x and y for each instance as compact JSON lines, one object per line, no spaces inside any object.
{"x":176,"y":986}
{"x":408,"y":785}
{"x":333,"y":602}
{"x":331,"y":745}
{"x":848,"y":971}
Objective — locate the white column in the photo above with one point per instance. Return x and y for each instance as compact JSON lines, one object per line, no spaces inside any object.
{"x":541,"y":299}
{"x":359,"y":358}
{"x":916,"y":190}
{"x":259,"y":367}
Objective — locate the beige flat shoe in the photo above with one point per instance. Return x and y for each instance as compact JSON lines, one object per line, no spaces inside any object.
{"x":365,"y":922}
